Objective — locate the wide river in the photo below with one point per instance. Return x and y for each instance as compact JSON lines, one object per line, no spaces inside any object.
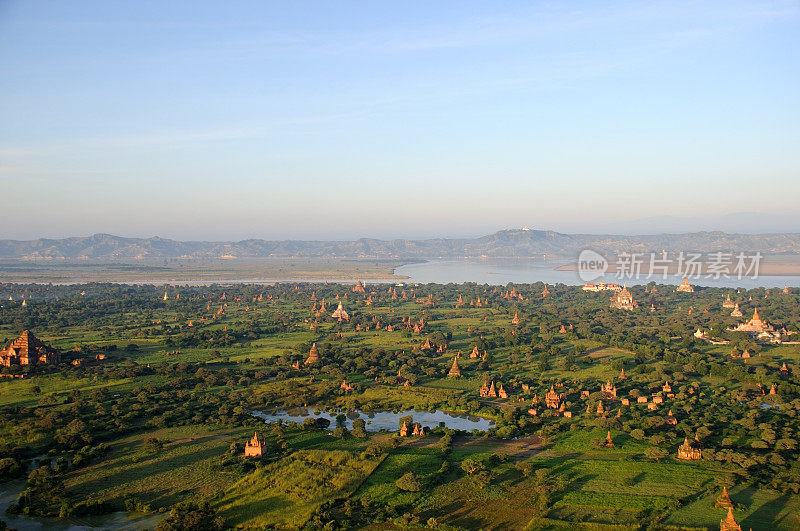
{"x":499,"y":272}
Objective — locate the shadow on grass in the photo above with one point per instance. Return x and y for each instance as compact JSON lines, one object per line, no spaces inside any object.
{"x":241,"y":511}
{"x":146,"y":471}
{"x":767,"y":513}
{"x":744,"y":497}
{"x":456,"y":513}
{"x":510,"y":477}
{"x":575,"y":484}
{"x":637,"y":478}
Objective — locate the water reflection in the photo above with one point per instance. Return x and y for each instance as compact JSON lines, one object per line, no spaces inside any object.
{"x":501,"y":272}
{"x":383,"y":420}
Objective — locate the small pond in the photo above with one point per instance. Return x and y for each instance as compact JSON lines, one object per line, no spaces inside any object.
{"x":383,"y":420}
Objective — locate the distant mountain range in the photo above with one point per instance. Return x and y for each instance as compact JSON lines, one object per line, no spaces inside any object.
{"x":738,"y":222}
{"x":521,"y":243}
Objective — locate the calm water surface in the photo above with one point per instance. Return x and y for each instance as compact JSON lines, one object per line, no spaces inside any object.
{"x":501,"y":272}
{"x":383,"y":420}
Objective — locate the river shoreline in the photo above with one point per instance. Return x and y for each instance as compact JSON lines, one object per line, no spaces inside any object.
{"x":773,"y":272}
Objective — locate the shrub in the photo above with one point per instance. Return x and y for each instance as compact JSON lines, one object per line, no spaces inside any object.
{"x":186,"y":515}
{"x":153,"y":445}
{"x":134,"y":505}
{"x":525,"y":468}
{"x":359,"y":428}
{"x":373,"y":451}
{"x":9,"y":468}
{"x":409,"y":482}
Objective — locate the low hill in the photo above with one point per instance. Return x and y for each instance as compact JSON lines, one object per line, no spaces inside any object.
{"x":505,"y":243}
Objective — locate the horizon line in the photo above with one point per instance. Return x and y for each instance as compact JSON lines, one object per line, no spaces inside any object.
{"x":355,"y":239}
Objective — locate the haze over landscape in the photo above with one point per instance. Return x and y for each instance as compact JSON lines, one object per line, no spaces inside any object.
{"x":451,"y":265}
{"x":521,"y":243}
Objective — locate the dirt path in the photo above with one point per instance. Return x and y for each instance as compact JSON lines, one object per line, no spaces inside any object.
{"x":521,"y":448}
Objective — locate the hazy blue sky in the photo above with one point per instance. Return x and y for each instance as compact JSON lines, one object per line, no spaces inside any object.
{"x":228,"y":120}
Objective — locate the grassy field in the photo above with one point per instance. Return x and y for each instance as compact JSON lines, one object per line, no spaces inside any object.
{"x":756,"y":509}
{"x":285,"y":493}
{"x":600,"y":488}
{"x":619,"y":486}
{"x":424,"y":461}
{"x":607,"y":486}
{"x":20,"y":392}
{"x":184,"y":469}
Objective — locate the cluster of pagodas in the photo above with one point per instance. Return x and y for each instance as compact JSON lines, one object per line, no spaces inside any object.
{"x":417,"y":431}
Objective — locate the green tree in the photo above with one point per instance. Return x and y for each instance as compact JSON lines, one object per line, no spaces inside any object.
{"x":187,"y":516}
{"x":44,"y":492}
{"x":9,"y":468}
{"x":471,"y":466}
{"x":656,"y":453}
{"x":74,"y":434}
{"x":409,"y":482}
{"x":359,"y":428}
{"x":153,"y":445}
